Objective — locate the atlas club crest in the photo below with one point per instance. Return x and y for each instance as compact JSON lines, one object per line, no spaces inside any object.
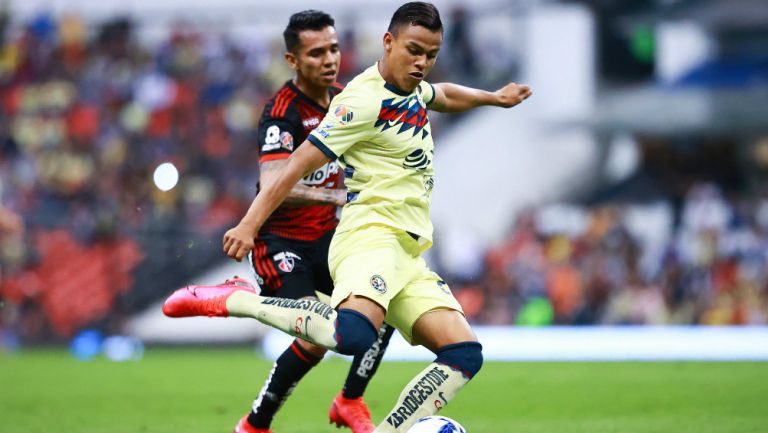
{"x":286,"y":261}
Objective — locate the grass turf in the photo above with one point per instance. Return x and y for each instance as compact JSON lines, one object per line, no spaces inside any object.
{"x":207,"y":390}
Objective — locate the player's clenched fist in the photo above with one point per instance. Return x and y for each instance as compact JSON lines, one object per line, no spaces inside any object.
{"x":238,"y":242}
{"x":512,"y":94}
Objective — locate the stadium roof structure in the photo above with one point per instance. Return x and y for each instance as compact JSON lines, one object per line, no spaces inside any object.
{"x":660,"y":110}
{"x":715,"y":15}
{"x":724,"y":95}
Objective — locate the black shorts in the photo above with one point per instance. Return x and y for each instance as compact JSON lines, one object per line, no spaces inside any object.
{"x":290,"y":268}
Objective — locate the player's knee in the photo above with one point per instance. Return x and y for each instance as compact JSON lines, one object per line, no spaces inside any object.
{"x":355,"y":333}
{"x":466,"y":357}
{"x":312,"y":349}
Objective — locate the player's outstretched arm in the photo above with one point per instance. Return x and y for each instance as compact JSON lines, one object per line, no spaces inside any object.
{"x":303,"y":195}
{"x":454,"y":98}
{"x":238,"y":241}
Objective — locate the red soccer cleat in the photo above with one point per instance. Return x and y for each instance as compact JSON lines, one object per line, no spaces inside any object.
{"x":244,"y":427}
{"x":208,"y":301}
{"x":352,"y":413}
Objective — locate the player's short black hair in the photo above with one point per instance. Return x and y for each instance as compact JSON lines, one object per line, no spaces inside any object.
{"x":305,"y":20}
{"x":418,"y":14}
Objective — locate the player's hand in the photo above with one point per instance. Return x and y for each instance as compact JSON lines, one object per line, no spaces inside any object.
{"x":512,"y":94}
{"x":238,"y":242}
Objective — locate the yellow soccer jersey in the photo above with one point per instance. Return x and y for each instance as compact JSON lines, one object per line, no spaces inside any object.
{"x":381,"y":136}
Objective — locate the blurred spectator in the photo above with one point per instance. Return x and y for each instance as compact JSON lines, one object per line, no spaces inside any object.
{"x":84,"y":123}
{"x":459,"y":47}
{"x":712,"y":270}
{"x":350,"y":62}
{"x":86,"y":115}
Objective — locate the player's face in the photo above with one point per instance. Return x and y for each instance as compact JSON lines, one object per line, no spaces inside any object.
{"x":411,"y":54}
{"x":316,"y":58}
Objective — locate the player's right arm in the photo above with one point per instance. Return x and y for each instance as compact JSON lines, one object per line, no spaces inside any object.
{"x":349,"y":120}
{"x":238,"y":241}
{"x":302,"y":195}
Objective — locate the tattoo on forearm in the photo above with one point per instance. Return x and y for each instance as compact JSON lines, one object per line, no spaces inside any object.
{"x":303,"y":195}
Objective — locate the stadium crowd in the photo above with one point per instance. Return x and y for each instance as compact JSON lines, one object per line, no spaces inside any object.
{"x":709,"y":267}
{"x":88,"y":113}
{"x":86,"y":119}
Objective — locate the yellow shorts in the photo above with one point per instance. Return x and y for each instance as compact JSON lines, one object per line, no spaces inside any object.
{"x":384,"y":264}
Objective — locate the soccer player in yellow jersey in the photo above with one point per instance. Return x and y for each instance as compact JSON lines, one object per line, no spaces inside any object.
{"x":378,"y":130}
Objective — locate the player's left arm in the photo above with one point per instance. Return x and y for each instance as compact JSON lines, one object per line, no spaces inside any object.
{"x":454,"y":98}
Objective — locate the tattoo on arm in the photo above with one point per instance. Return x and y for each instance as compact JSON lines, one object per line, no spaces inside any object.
{"x":303,"y":195}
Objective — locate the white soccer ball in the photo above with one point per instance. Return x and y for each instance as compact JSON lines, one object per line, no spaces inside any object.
{"x":436,"y":424}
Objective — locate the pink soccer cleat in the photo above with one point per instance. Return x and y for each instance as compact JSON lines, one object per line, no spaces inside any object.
{"x":244,"y":427}
{"x":208,"y":301}
{"x":352,"y":413}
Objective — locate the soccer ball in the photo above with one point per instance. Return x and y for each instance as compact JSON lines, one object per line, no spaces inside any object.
{"x":436,"y":424}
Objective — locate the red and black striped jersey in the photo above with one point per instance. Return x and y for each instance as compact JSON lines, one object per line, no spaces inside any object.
{"x":288,"y":117}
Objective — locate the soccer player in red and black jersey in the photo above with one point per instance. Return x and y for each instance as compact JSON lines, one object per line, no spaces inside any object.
{"x":290,"y":256}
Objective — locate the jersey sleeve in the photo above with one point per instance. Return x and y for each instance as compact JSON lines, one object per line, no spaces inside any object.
{"x":276,"y":138}
{"x":427,"y":92}
{"x":350,"y":119}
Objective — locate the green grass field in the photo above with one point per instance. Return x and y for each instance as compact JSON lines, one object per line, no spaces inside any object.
{"x":207,"y":390}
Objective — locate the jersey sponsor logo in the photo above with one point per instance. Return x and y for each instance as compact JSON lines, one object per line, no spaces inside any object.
{"x":311,"y":122}
{"x":409,"y":113}
{"x":417,"y":395}
{"x":418,"y":159}
{"x":321,"y":175}
{"x":286,"y":260}
{"x":286,"y":141}
{"x":344,"y":114}
{"x":378,"y":284}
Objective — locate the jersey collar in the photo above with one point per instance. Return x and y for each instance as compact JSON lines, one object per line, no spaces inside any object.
{"x":307,"y":99}
{"x":389,"y":86}
{"x":396,"y":90}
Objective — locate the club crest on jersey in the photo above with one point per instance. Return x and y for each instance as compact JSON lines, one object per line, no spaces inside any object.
{"x":343,"y":113}
{"x":286,"y":140}
{"x":408,"y":113}
{"x":378,"y":284}
{"x":285,"y":260}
